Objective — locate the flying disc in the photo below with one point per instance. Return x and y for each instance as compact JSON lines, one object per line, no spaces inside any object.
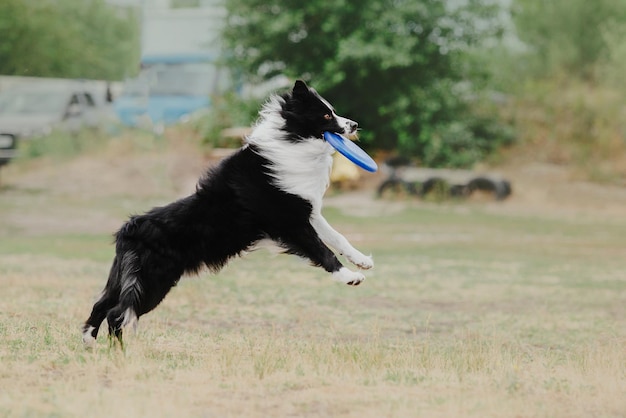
{"x":351,"y":151}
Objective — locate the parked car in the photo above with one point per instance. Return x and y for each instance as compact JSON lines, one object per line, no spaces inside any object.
{"x":8,"y":143}
{"x":29,"y":111}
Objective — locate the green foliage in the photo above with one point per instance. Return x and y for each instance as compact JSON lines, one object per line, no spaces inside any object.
{"x":573,"y":123}
{"x":612,"y":65}
{"x":60,"y":145}
{"x":566,"y":87}
{"x":67,"y":38}
{"x":227,"y":111}
{"x":461,"y":143}
{"x":393,"y":65}
{"x":567,"y":35}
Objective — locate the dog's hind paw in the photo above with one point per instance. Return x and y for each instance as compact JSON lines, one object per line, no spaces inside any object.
{"x":348,"y":277}
{"x":361,"y":261}
{"x":88,"y":340}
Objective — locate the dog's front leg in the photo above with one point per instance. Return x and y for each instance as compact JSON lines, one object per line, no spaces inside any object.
{"x":339,"y":242}
{"x":306,"y":243}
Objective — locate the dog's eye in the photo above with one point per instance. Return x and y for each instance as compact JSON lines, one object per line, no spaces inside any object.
{"x":328,"y":116}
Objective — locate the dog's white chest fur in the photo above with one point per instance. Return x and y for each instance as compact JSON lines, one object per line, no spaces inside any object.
{"x":300,"y":168}
{"x":306,"y":171}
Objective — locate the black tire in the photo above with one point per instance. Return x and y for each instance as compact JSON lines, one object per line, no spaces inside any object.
{"x":459,"y":191}
{"x":500,"y":189}
{"x":435,"y":189}
{"x":394,"y":188}
{"x":505,"y":190}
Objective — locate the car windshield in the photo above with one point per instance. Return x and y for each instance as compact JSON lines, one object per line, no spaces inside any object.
{"x":175,"y":80}
{"x":32,"y":102}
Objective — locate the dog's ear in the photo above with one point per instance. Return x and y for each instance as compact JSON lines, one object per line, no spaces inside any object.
{"x":300,"y":88}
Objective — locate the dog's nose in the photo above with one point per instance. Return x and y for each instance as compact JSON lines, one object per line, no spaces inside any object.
{"x":352,"y":125}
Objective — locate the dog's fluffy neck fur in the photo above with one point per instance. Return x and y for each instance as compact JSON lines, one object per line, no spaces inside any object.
{"x":298,"y":167}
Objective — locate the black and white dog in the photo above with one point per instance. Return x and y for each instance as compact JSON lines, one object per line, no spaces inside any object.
{"x":271,"y":188}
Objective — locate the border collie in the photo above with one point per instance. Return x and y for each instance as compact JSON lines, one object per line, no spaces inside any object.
{"x":271,"y":188}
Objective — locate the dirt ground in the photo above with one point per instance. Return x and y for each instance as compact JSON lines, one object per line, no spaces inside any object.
{"x":165,"y":173}
{"x":465,"y":314}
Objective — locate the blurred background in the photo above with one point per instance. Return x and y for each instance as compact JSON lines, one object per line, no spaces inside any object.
{"x":497,"y":220}
{"x":456,"y":84}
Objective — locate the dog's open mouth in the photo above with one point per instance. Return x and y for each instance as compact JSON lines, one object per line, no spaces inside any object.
{"x":351,"y":130}
{"x":352,"y":135}
{"x":349,"y":127}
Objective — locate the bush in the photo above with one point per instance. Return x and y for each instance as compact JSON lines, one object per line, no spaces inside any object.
{"x":227,"y":111}
{"x":570,"y":122}
{"x":566,"y":86}
{"x":566,"y":36}
{"x":60,"y":145}
{"x":68,"y":39}
{"x":393,"y":66}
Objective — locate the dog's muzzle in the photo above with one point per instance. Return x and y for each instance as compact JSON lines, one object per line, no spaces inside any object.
{"x":351,"y":127}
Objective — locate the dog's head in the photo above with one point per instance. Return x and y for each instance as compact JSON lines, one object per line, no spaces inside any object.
{"x":307,"y":114}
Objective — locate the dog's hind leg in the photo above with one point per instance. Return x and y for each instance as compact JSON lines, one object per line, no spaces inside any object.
{"x":118,"y":318}
{"x":124,"y":312}
{"x":139,"y":292}
{"x":135,"y":301}
{"x":108,"y":299}
{"x":99,"y":312}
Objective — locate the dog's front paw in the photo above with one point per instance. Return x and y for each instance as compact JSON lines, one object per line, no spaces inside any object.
{"x":348,"y":277}
{"x":361,"y":261}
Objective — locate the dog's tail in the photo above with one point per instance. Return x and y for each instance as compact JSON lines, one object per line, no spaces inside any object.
{"x":130,"y":291}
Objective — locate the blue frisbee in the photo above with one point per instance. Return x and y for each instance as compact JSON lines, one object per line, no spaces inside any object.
{"x":351,"y":151}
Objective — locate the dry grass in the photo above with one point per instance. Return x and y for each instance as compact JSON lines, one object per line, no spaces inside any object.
{"x":581,"y":125}
{"x":475,"y":310}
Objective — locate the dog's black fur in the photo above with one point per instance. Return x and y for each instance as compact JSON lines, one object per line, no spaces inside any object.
{"x":236,"y":204}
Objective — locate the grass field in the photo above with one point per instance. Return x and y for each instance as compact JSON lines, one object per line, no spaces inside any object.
{"x":471,"y":310}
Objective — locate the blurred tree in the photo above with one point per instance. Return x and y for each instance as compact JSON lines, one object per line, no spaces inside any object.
{"x":567,"y":35}
{"x":67,"y":38}
{"x":397,"y":66}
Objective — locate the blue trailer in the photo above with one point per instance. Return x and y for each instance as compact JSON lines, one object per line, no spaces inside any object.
{"x":179,"y":66}
{"x":169,"y":89}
